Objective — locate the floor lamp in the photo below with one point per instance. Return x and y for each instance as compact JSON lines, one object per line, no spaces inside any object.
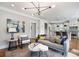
{"x":12,"y":31}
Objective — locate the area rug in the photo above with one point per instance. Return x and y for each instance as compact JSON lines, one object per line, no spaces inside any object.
{"x":26,"y":53}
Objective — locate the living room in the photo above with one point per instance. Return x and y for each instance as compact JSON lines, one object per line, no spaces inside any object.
{"x":39,"y":29}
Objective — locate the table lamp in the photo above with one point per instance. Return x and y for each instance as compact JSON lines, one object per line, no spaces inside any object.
{"x":12,"y":31}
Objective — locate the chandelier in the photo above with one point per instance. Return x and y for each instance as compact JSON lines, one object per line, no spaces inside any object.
{"x":38,"y":7}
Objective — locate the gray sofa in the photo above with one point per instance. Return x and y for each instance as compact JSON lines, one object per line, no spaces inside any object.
{"x":55,"y":46}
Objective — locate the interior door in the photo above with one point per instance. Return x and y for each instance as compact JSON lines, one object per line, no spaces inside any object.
{"x":33,"y":30}
{"x":45,"y":28}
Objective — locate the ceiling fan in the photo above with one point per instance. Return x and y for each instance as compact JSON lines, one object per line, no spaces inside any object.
{"x":38,"y":7}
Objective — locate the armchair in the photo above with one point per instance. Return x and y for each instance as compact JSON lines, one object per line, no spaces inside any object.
{"x":23,"y":39}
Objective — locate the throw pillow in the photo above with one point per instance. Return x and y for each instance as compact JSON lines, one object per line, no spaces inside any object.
{"x":63,"y":39}
{"x":57,"y":40}
{"x":42,"y":37}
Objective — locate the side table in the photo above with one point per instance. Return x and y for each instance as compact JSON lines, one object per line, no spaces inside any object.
{"x":12,"y":44}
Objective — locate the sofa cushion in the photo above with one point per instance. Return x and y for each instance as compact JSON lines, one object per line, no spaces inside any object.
{"x":51,"y":45}
{"x":51,"y":40}
{"x":44,"y":42}
{"x":42,"y":37}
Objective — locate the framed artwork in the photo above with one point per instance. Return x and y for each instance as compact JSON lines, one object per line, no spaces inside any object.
{"x":11,"y":24}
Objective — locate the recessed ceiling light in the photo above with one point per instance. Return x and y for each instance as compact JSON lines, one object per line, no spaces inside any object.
{"x":53,"y":6}
{"x":12,"y":5}
{"x":23,"y":8}
{"x":32,"y":14}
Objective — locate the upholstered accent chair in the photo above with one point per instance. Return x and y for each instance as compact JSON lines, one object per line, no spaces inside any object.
{"x":23,"y":39}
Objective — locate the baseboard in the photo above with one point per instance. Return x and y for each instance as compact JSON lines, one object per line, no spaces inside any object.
{"x":3,"y":46}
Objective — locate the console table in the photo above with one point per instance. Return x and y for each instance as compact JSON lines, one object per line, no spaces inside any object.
{"x":12,"y":44}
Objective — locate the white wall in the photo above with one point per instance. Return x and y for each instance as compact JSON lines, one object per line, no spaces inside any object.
{"x":42,"y":26}
{"x":4,"y":36}
{"x":73,"y":22}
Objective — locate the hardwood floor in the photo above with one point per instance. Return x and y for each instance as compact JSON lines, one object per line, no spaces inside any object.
{"x":2,"y":52}
{"x":74,"y":44}
{"x":19,"y":52}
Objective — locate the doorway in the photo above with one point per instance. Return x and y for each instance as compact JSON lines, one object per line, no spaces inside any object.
{"x":45,"y":25}
{"x":33,"y":30}
{"x":74,"y":44}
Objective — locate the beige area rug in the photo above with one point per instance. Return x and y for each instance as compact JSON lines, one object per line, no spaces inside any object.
{"x":18,"y":53}
{"x":72,"y":55}
{"x":26,"y":53}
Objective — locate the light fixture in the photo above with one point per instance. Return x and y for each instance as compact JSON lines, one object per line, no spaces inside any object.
{"x":39,"y":8}
{"x":12,"y":31}
{"x":53,"y":6}
{"x":12,"y":5}
{"x":32,"y":14}
{"x":23,"y":8}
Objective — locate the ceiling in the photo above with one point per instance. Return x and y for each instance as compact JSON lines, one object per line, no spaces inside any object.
{"x":62,"y":11}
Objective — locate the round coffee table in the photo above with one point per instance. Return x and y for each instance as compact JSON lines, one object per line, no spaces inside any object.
{"x":38,"y":47}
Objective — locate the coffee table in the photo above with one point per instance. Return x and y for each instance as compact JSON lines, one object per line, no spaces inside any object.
{"x":38,"y":47}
